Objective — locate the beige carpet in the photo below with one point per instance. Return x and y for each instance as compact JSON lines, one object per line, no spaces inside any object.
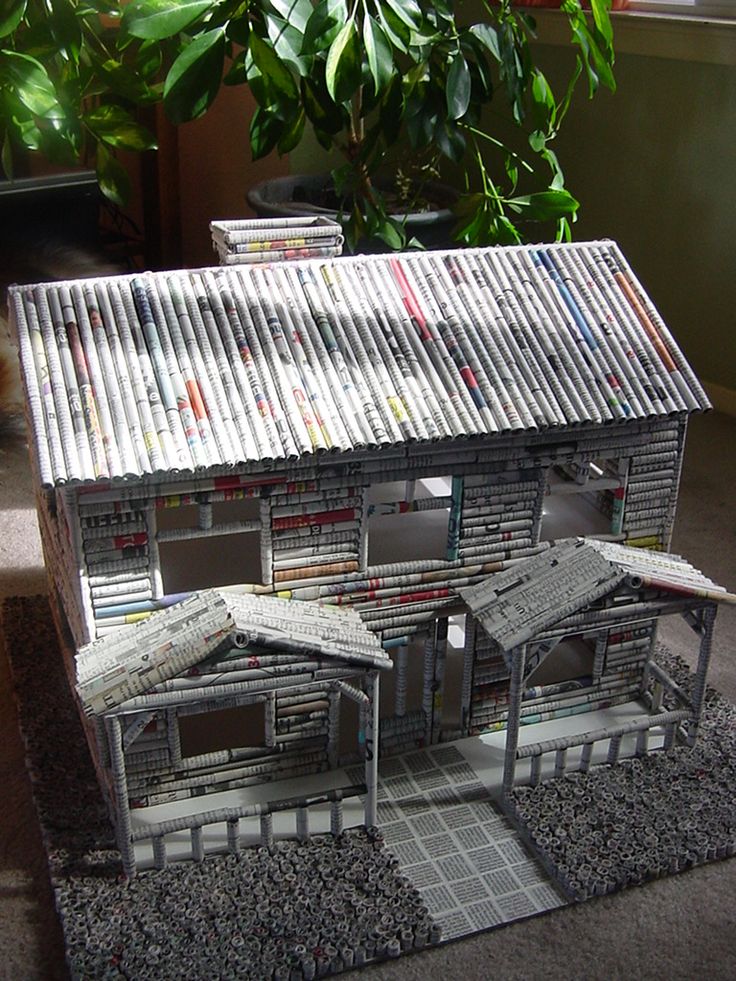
{"x":683,"y":927}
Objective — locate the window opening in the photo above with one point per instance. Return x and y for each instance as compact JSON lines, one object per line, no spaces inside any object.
{"x":408,"y":520}
{"x":571,"y":660}
{"x":584,"y":498}
{"x":220,"y":729}
{"x":453,"y":684}
{"x":214,"y":550}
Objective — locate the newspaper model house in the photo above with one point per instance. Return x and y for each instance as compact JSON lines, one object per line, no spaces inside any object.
{"x":221,"y":692}
{"x":606,"y":599}
{"x":374,"y":432}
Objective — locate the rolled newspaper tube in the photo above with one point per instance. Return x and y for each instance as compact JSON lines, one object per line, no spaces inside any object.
{"x":396,"y":352}
{"x":377,"y":412}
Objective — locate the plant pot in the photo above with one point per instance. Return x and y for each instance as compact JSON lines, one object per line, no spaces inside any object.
{"x":306,"y":194}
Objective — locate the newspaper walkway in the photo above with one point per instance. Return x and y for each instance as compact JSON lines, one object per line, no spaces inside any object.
{"x":455,"y":846}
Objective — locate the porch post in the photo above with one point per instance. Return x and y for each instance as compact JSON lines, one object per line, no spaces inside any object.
{"x":371,"y":749}
{"x":707,"y":624}
{"x":516,"y":687}
{"x":120,"y":787}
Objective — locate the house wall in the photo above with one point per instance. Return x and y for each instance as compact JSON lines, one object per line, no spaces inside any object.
{"x":582,"y":674}
{"x":163,"y":765}
{"x":311,"y":533}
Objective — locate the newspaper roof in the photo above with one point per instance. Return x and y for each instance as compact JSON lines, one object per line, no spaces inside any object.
{"x":136,"y":659}
{"x":244,"y":366}
{"x":515,"y":605}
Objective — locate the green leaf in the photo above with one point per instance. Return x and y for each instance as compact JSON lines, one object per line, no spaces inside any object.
{"x":558,"y":178}
{"x":265,"y":130}
{"x":449,"y":139}
{"x":473,"y":225}
{"x":118,"y":78}
{"x":504,"y":232}
{"x":272,"y":67}
{"x":11,"y":13}
{"x":321,"y":111}
{"x":343,"y":68}
{"x":595,"y":49}
{"x":396,"y":30}
{"x":32,"y":84}
{"x":59,"y":147}
{"x":602,"y":19}
{"x":115,"y":126}
{"x":66,"y":29}
{"x":537,"y":141}
{"x":379,"y":52}
{"x":112,"y":177}
{"x":159,"y":19}
{"x":407,"y":11}
{"x":19,"y":120}
{"x":237,"y":73}
{"x":544,"y":205}
{"x":238,"y":30}
{"x":458,"y":87}
{"x":329,"y":17}
{"x":544,"y":107}
{"x":194,"y":78}
{"x":294,"y":12}
{"x":292,"y":134}
{"x":148,"y":59}
{"x":563,"y":232}
{"x":287,"y":42}
{"x":488,"y":37}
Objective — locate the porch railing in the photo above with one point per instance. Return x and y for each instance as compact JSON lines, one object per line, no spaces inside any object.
{"x":668,"y":721}
{"x":232,"y":816}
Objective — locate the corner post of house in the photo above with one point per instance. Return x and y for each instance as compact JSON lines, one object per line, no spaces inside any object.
{"x":438,"y":685}
{"x":468,"y":669}
{"x":707,"y":625}
{"x":428,"y":682}
{"x":651,"y":651}
{"x":516,"y":688}
{"x":371,"y":748}
{"x":333,"y":726}
{"x":123,"y":827}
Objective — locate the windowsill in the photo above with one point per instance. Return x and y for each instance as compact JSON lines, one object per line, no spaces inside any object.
{"x":706,"y":39}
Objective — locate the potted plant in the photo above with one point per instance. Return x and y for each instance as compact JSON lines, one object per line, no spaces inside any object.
{"x":365,"y":75}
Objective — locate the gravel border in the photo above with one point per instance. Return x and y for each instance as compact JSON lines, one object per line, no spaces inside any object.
{"x":614,"y":827}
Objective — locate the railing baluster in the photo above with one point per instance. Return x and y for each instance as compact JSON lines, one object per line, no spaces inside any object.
{"x":336,"y":817}
{"x":642,"y":742}
{"x":536,"y":770}
{"x":302,"y":823}
{"x":560,"y":762}
{"x":197,"y":844}
{"x":614,"y":749}
{"x":233,"y":835}
{"x":266,"y":830}
{"x":585,"y":757}
{"x":159,"y":852}
{"x":669,"y":736}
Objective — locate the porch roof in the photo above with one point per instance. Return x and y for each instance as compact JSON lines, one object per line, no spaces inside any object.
{"x":516,"y":605}
{"x":143,"y":658}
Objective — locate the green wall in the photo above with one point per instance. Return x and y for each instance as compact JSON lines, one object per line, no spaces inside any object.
{"x":654,"y":167}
